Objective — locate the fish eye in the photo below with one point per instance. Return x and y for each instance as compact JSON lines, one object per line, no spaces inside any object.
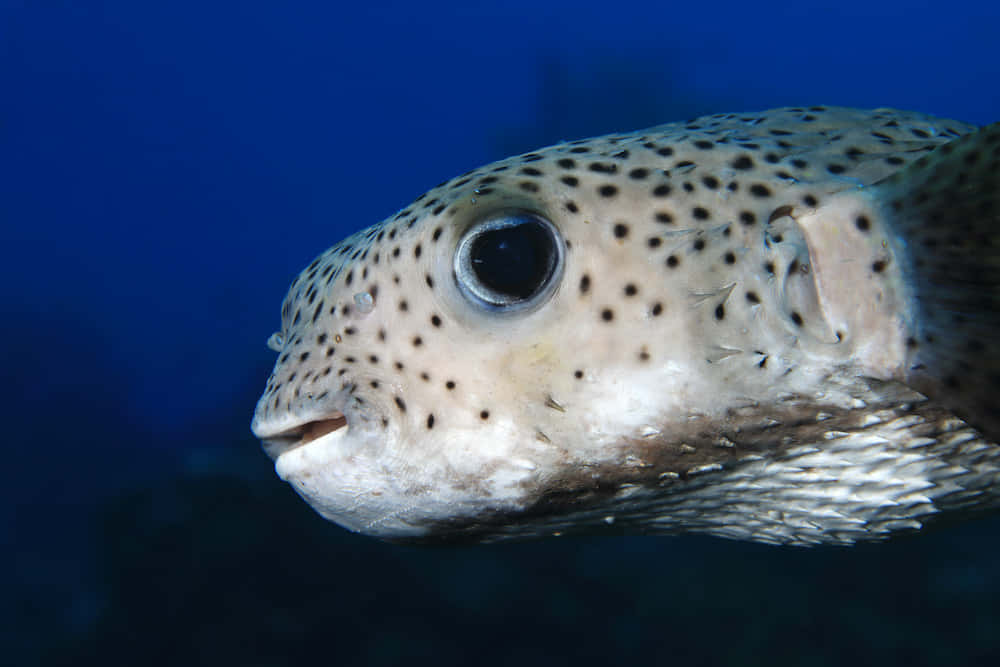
{"x":509,"y":262}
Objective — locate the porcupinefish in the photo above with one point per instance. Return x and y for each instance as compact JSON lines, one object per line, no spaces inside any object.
{"x":774,"y":326}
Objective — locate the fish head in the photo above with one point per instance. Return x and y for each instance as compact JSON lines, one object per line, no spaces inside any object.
{"x":452,"y":359}
{"x":564,"y":337}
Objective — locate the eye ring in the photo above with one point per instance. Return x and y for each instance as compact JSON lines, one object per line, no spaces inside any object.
{"x":509,"y":262}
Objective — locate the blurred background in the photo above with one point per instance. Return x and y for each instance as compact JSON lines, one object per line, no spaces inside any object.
{"x":165,"y":171}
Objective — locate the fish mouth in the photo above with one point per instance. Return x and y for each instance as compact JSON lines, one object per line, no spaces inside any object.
{"x":279,"y":442}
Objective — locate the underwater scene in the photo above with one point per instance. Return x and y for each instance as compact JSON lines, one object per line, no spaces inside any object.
{"x":197,"y":393}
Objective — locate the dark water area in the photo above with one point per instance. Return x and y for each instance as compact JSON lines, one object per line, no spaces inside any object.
{"x":165,"y":171}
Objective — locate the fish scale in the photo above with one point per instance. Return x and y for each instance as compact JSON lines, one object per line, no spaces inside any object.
{"x":701,"y":274}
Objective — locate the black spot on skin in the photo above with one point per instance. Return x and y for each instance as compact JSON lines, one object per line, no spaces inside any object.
{"x":664,"y":217}
{"x":710,"y":182}
{"x":417,"y":341}
{"x":430,"y":421}
{"x":730,"y":258}
{"x":638,"y":174}
{"x":435,"y":320}
{"x":752,"y":297}
{"x":578,"y":374}
{"x":400,"y":404}
{"x":862,"y":223}
{"x":567,"y":163}
{"x":607,"y":315}
{"x":700,"y":213}
{"x":796,"y":318}
{"x":584,"y":284}
{"x":809,"y":200}
{"x":607,"y":190}
{"x":661,"y":190}
{"x":657,"y":309}
{"x":836,"y":168}
{"x":698,"y":245}
{"x":571,"y":181}
{"x":631,"y":290}
{"x":742,"y":163}
{"x":485,"y":414}
{"x":747,"y":218}
{"x":654,"y":242}
{"x":672,"y":261}
{"x":760,"y":190}
{"x":878,"y":266}
{"x":449,"y":385}
{"x":704,"y":145}
{"x":602,"y":168}
{"x":528,"y":186}
{"x":666,"y":151}
{"x":620,"y":230}
{"x":720,"y":312}
{"x":572,"y":207}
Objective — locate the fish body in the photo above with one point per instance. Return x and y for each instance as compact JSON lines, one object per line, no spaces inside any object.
{"x":772,"y":326}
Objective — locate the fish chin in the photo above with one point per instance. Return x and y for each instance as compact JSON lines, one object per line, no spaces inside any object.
{"x":336,"y":475}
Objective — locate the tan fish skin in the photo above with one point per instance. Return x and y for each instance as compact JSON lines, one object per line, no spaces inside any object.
{"x":770,"y":326}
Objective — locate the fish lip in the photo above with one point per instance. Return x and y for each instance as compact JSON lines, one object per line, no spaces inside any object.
{"x":278,"y":441}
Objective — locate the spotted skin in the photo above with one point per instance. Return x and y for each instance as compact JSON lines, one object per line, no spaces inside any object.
{"x":705,"y":322}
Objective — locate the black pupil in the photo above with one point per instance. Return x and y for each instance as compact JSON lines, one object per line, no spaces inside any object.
{"x":515,"y":261}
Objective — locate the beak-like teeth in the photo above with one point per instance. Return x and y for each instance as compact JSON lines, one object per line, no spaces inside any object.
{"x":297,"y":436}
{"x":317,"y":429}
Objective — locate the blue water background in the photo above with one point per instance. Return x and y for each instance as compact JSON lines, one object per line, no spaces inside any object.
{"x":165,"y":171}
